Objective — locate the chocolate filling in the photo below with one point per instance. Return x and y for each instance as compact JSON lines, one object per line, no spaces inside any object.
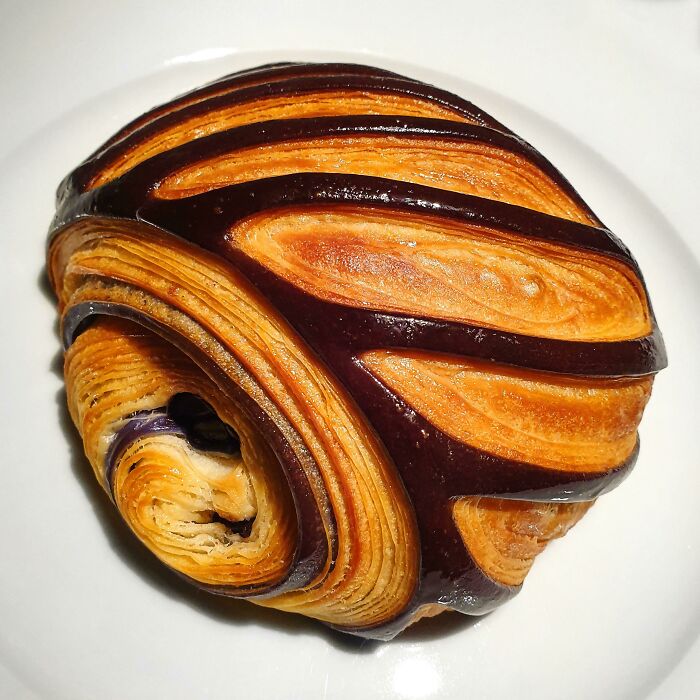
{"x":241,"y":527}
{"x":203,"y":429}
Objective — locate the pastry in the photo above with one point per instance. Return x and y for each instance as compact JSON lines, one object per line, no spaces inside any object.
{"x":340,"y":343}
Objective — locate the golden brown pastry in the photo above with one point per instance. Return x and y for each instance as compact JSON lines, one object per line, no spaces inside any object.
{"x":339,"y":342}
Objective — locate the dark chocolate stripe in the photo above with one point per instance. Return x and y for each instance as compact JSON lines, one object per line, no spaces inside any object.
{"x":339,"y":336}
{"x":268,"y":73}
{"x":211,"y":212}
{"x":278,"y":131}
{"x":357,"y":330}
{"x":487,"y":475}
{"x":205,"y":219}
{"x":293,"y":87}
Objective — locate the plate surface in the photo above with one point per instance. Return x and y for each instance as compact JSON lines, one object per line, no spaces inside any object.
{"x":607,"y":613}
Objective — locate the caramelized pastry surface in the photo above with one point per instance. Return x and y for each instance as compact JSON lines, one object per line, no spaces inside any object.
{"x":552,"y":421}
{"x":447,"y":271}
{"x":341,"y":343}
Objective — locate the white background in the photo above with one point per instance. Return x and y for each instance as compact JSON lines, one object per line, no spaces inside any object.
{"x":622,"y":76}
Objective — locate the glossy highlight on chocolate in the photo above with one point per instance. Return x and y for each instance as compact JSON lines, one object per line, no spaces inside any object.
{"x":417,"y":354}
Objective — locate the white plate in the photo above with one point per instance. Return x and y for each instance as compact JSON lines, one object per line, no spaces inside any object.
{"x":607,"y":613}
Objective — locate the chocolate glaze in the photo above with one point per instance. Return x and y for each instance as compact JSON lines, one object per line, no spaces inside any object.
{"x":268,"y":73}
{"x":356,"y":126}
{"x":204,"y":219}
{"x":297,"y":85}
{"x":435,"y":468}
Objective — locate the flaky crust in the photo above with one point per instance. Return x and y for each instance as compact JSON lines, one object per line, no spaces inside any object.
{"x":341,"y":343}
